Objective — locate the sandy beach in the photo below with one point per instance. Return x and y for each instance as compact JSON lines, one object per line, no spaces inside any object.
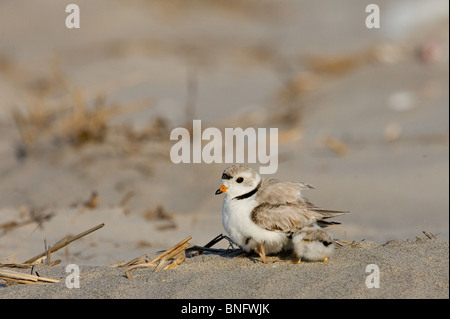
{"x":86,"y":116}
{"x":406,"y":270}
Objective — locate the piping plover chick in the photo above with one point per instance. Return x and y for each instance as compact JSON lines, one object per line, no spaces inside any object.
{"x":313,"y":244}
{"x":265,"y":215}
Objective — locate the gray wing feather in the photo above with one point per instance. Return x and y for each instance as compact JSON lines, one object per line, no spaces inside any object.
{"x":287,"y":217}
{"x":283,"y":208}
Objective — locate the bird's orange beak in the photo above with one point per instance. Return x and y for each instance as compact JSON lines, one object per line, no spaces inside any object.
{"x":221,"y":190}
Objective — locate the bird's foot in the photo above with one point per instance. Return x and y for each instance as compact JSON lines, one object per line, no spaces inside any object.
{"x":296,"y":260}
{"x":260,"y":250}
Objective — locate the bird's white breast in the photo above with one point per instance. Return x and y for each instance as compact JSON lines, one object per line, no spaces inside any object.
{"x":236,"y":219}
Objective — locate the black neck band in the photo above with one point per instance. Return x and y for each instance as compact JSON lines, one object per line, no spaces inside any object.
{"x":249,"y":194}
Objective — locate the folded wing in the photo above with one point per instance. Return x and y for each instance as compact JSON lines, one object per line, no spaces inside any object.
{"x":283,"y":208}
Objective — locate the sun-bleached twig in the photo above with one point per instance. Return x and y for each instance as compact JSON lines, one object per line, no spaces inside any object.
{"x":63,"y":242}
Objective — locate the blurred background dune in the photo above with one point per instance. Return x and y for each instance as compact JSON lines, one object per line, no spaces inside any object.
{"x":86,"y":114}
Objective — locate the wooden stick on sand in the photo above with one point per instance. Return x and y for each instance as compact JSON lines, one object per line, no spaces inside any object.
{"x":24,"y":278}
{"x":62,"y":243}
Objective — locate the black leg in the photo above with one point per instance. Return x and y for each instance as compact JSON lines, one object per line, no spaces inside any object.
{"x":211,"y":243}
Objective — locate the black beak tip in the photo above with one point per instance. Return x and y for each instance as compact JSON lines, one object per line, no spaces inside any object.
{"x":218,"y":192}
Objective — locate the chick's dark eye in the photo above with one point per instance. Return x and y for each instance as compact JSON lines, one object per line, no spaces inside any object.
{"x":239,"y":179}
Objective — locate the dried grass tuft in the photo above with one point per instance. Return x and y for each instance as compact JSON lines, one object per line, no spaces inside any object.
{"x":169,"y":259}
{"x":53,"y":121}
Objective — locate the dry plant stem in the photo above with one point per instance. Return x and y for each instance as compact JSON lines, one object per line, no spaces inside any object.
{"x":47,"y":252}
{"x":177,"y":251}
{"x":181,"y":257}
{"x":146,"y":265}
{"x":162,"y":261}
{"x":169,"y":251}
{"x":28,"y":266}
{"x":17,"y":276}
{"x":56,"y":262}
{"x":429,"y":235}
{"x":64,"y":242}
{"x":19,"y":281}
{"x":13,"y":265}
{"x":134,"y":261}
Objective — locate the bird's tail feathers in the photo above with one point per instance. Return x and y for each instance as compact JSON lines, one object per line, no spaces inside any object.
{"x":329,"y":213}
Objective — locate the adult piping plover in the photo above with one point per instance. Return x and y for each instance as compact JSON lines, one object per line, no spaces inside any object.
{"x":268,"y":216}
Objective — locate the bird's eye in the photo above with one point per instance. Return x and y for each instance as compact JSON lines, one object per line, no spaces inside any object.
{"x":239,"y":179}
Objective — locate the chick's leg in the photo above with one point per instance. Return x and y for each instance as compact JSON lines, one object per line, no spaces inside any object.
{"x":261,"y":251}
